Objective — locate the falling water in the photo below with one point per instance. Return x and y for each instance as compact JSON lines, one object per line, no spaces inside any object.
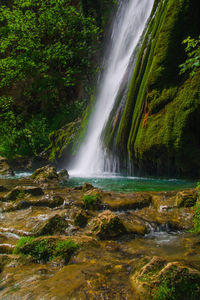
{"x":128,"y":26}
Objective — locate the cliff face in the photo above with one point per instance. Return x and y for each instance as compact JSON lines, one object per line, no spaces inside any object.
{"x":159,"y":129}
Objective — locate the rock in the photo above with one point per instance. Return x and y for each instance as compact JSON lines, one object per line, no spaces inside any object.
{"x":63,"y":175}
{"x":48,"y":174}
{"x":45,"y":174}
{"x":80,"y":218}
{"x":135,"y":225}
{"x":129,"y":201}
{"x":21,"y":192}
{"x":47,"y":248}
{"x":5,"y":169}
{"x":6,"y":248}
{"x":51,"y":201}
{"x":87,"y":186}
{"x":92,"y":199}
{"x":155,"y":277}
{"x":186,"y":198}
{"x":107,"y":225}
{"x":54,"y":225}
{"x":3,"y":189}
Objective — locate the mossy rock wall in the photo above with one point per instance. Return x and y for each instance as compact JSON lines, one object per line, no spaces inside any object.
{"x":160,"y":127}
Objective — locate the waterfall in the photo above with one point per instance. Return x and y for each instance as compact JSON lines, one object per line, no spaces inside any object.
{"x":127,"y":28}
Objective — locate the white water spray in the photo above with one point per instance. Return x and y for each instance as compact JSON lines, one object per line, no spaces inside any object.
{"x":127,"y":30}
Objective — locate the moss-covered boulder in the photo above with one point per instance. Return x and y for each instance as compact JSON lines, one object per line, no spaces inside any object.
{"x":107,"y":225}
{"x":80,"y":218}
{"x":46,"y":248}
{"x":21,"y":192}
{"x":5,"y":169}
{"x":63,"y":175}
{"x":156,"y":278}
{"x":187,"y":198}
{"x":54,"y":225}
{"x":92,"y":199}
{"x":50,"y":201}
{"x":3,"y":189}
{"x":45,"y":174}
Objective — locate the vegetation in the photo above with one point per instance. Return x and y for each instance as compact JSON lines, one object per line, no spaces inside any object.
{"x":158,"y":138}
{"x":193,"y":55}
{"x":47,"y":48}
{"x":196,"y":219}
{"x":91,"y":201}
{"x":177,"y":285}
{"x":45,"y":249}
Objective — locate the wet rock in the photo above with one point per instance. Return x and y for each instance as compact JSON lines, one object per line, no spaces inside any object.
{"x":6,"y":249}
{"x":54,"y":225}
{"x":130,"y":201}
{"x":46,"y":248}
{"x":92,"y":199}
{"x":63,"y":175}
{"x":164,"y":200}
{"x":45,"y":174}
{"x":107,"y":225}
{"x":51,"y":201}
{"x":135,"y":225}
{"x":3,"y":189}
{"x":187,"y":198}
{"x":155,"y":276}
{"x":80,"y":218}
{"x":21,"y":192}
{"x":168,"y":220}
{"x":5,"y":169}
{"x":86,"y":187}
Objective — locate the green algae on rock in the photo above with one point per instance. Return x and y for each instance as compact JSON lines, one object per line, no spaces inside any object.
{"x":54,"y":225}
{"x":151,"y":133}
{"x":186,"y":198}
{"x":46,"y":248}
{"x":5,"y":169}
{"x":107,"y":225}
{"x":156,"y":278}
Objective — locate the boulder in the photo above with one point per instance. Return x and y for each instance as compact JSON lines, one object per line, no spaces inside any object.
{"x":129,"y":201}
{"x":156,"y":278}
{"x":54,"y":225}
{"x":3,"y":189}
{"x":80,"y":218}
{"x":5,"y":169}
{"x":107,"y":225}
{"x":63,"y":175}
{"x":51,"y":201}
{"x":92,"y":199}
{"x":49,"y":174}
{"x":45,"y":174}
{"x":21,"y":192}
{"x":187,"y":198}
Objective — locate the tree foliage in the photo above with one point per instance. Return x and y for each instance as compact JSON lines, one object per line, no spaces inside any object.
{"x":192,"y":48}
{"x":47,"y":48}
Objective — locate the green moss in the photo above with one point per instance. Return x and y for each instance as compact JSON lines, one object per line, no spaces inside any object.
{"x":22,"y":241}
{"x":159,"y":125}
{"x":177,"y":285}
{"x":92,"y":201}
{"x":172,"y":131}
{"x":132,"y":107}
{"x":46,"y":249}
{"x":62,"y":139}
